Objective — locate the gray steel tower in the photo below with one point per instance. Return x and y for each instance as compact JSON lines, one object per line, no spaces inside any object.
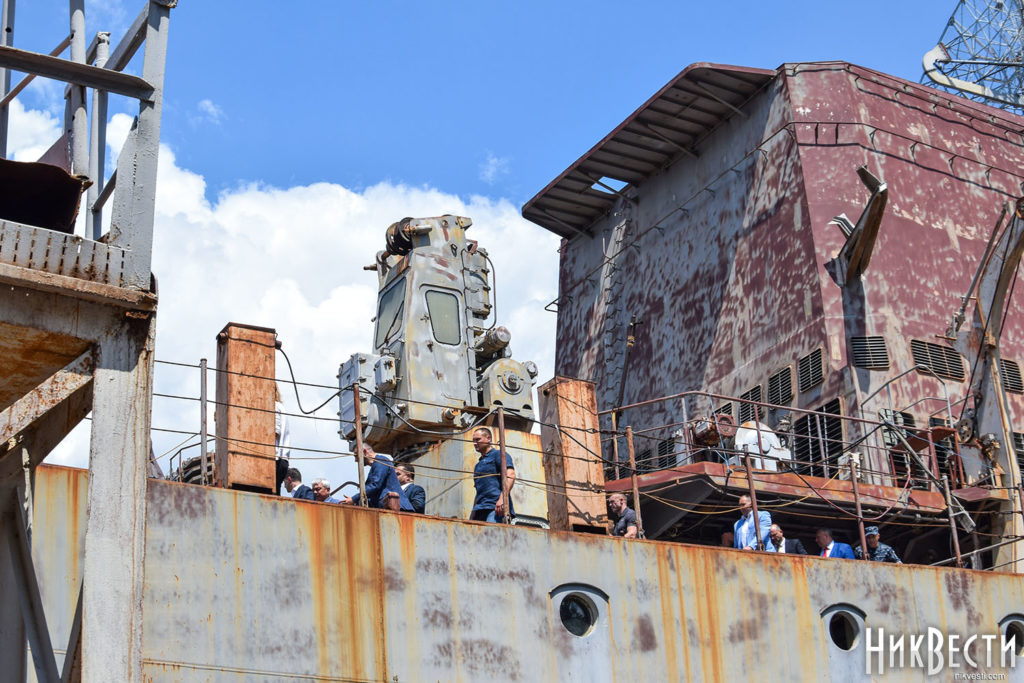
{"x":979,"y":54}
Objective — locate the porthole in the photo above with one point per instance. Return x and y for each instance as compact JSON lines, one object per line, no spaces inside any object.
{"x":844,"y":623}
{"x":843,"y":630}
{"x":1013,"y":627}
{"x":578,"y":614}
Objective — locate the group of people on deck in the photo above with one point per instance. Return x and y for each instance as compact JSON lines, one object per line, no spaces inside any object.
{"x":744,"y":534}
{"x":392,"y":486}
{"x":773,"y":540}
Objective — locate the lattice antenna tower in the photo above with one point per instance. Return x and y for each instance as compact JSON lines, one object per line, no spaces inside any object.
{"x":980,"y":54}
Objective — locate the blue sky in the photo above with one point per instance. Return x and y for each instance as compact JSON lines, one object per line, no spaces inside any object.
{"x":469,"y":97}
{"x":294,"y":133}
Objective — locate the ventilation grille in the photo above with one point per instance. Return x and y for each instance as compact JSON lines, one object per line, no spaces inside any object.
{"x":725,"y":409}
{"x":666,"y":454}
{"x":780,"y":387}
{"x":1018,"y":449}
{"x":943,"y":361}
{"x":1010,"y":372}
{"x":818,"y":441}
{"x":750,"y":412}
{"x":644,"y":462}
{"x":810,"y":372}
{"x":870,"y":352}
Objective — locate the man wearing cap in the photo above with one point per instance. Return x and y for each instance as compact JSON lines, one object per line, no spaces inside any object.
{"x":877,"y":552}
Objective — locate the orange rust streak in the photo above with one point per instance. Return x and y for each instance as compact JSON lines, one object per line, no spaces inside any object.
{"x":669,"y":615}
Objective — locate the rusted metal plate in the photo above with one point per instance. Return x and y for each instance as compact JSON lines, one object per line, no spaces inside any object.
{"x":60,"y":254}
{"x":245,"y":407}
{"x":575,"y":477}
{"x":49,"y":394}
{"x":30,"y":356}
{"x":242,"y":586}
{"x":253,"y":586}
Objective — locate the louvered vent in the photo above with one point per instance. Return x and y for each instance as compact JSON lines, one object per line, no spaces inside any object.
{"x":1018,"y":448}
{"x":666,"y":454}
{"x":943,"y":361}
{"x":724,"y":409}
{"x":644,"y":463}
{"x":818,"y":441}
{"x":810,"y":371}
{"x":869,"y":352}
{"x":1010,"y":372}
{"x":780,"y":387}
{"x":750,"y":412}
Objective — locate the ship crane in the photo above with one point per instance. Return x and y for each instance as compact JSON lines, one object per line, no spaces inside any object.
{"x":986,"y":426}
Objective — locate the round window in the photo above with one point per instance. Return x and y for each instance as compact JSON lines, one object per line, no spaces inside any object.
{"x":1015,"y":631}
{"x":843,"y":629}
{"x":578,"y":614}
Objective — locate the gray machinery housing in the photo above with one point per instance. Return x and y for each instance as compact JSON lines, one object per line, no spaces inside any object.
{"x":436,"y":369}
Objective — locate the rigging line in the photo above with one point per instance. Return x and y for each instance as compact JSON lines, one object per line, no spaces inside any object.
{"x":295,"y":386}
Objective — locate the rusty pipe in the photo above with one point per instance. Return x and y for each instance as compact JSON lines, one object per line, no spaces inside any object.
{"x":633,"y":480}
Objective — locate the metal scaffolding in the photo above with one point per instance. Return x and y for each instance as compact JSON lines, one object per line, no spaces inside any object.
{"x":77,"y":318}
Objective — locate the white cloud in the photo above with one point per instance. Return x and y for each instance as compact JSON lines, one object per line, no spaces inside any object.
{"x":208,"y":112}
{"x":493,"y":168}
{"x":30,"y":132}
{"x":292,"y":259}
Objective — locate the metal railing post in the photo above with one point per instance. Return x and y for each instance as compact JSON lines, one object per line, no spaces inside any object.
{"x":7,"y":40}
{"x":615,"y":444}
{"x":632,"y":478}
{"x":753,"y":500}
{"x":505,"y":517}
{"x":952,"y":522}
{"x":856,"y":501}
{"x":97,"y":145}
{"x":204,"y":461}
{"x":357,"y":403}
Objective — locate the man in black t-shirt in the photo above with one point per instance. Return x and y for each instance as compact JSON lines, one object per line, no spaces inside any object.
{"x":625,"y":526}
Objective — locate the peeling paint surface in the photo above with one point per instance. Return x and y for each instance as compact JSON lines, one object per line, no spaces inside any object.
{"x":242,"y":586}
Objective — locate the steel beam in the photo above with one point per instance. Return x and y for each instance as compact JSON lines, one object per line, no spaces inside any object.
{"x":23,"y":414}
{"x":79,"y":74}
{"x":27,"y":587}
{"x":135,"y":198}
{"x":115,"y":528}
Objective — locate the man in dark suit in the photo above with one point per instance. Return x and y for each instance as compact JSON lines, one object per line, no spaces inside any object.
{"x":830,"y":548}
{"x":413,"y":495}
{"x":293,"y":484}
{"x":791,"y":546}
{"x":382,"y":487}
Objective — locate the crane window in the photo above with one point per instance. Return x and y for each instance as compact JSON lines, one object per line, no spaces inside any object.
{"x":443,"y":309}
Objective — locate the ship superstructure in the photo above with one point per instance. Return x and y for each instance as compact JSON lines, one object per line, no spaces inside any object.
{"x":763,"y":328}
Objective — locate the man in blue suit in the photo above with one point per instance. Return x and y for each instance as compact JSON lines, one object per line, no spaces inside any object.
{"x":830,"y":548}
{"x":744,"y":531}
{"x":293,"y":484}
{"x":414,"y":498}
{"x":381,"y":482}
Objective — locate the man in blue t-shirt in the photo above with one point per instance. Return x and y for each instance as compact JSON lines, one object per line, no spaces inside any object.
{"x":488,"y":505}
